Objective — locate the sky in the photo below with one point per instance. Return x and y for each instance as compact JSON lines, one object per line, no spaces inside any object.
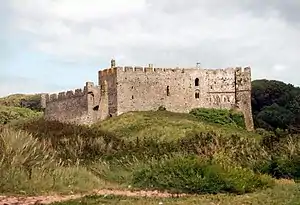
{"x":57,"y":45}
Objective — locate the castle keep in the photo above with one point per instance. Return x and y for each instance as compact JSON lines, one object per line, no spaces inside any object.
{"x":124,"y":89}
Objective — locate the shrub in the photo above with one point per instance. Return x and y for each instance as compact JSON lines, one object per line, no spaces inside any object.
{"x":30,"y":166}
{"x":72,"y":142}
{"x":9,"y":114}
{"x":192,"y":175}
{"x":284,"y":160}
{"x":220,"y":116}
{"x":21,"y":100}
{"x":19,"y":149}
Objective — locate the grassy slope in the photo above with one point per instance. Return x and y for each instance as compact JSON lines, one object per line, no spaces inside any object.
{"x":170,"y":126}
{"x":15,"y":99}
{"x":10,"y":113}
{"x":163,"y":125}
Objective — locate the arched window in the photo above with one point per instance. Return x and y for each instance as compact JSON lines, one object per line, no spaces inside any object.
{"x":197,"y":95}
{"x":168,"y":91}
{"x":197,"y":82}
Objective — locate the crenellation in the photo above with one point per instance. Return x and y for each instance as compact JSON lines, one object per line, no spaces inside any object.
{"x":148,"y":69}
{"x":129,"y":69}
{"x":135,"y":88}
{"x":78,"y":92}
{"x":53,"y":97}
{"x":61,"y":95}
{"x":247,"y":70}
{"x":69,"y":94}
{"x":157,"y":70}
{"x":139,"y":68}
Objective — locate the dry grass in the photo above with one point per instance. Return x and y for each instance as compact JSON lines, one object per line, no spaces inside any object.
{"x":30,"y":166}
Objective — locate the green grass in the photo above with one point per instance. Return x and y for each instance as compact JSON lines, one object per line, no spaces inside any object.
{"x":279,"y":195}
{"x":220,"y":116}
{"x":9,"y":114}
{"x":15,"y":99}
{"x":196,"y":175}
{"x":110,"y":153}
{"x":164,"y":125}
{"x":30,"y":166}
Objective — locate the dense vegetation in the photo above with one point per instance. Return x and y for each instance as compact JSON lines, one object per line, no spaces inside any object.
{"x":205,"y":151}
{"x":223,"y":160}
{"x":20,"y":100}
{"x":9,"y":114}
{"x":276,"y":105}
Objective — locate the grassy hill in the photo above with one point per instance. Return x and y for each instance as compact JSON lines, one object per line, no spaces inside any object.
{"x":10,"y":113}
{"x":165,"y":125}
{"x":204,"y":152}
{"x":22,"y":100}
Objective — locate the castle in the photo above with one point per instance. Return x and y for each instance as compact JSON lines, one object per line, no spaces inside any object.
{"x":124,"y":89}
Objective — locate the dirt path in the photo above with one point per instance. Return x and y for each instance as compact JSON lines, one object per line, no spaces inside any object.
{"x":13,"y":200}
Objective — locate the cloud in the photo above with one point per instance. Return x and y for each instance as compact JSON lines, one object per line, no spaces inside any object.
{"x":262,"y":34}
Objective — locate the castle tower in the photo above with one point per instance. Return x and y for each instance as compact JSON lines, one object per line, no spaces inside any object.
{"x":243,"y":95}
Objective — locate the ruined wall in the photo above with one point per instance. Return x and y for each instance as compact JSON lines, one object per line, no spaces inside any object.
{"x":108,"y":90}
{"x":243,"y":95}
{"x":148,"y":88}
{"x":221,"y":88}
{"x":124,"y":89}
{"x":72,"y":107}
{"x":93,"y":102}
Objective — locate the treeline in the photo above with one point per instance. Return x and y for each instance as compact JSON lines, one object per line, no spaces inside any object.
{"x":276,"y":105}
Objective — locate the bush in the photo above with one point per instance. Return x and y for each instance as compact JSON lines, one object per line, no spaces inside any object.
{"x":20,"y":149}
{"x":192,"y":175}
{"x":30,"y":166}
{"x":21,"y":100}
{"x":20,"y":152}
{"x":284,"y":160}
{"x":72,"y":142}
{"x":220,"y":116}
{"x":9,"y":114}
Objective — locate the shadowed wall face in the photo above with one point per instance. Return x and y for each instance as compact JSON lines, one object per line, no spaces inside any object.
{"x":73,"y":107}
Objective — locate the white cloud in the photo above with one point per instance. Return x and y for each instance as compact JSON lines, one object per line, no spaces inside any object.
{"x":168,"y":32}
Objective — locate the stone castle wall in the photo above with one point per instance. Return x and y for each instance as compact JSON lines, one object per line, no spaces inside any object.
{"x":124,"y":89}
{"x":75,"y":107}
{"x":109,"y":98}
{"x":142,"y":89}
{"x":243,"y":95}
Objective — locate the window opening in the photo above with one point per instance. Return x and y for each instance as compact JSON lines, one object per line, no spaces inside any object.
{"x":197,"y":82}
{"x":168,"y":91}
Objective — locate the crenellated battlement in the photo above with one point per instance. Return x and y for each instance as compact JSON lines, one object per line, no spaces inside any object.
{"x":122,"y":89}
{"x":148,"y":69}
{"x":243,"y":70}
{"x":53,"y":97}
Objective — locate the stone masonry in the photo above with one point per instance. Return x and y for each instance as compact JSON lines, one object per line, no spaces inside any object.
{"x":124,"y":89}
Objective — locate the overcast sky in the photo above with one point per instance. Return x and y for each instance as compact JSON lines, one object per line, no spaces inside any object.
{"x":54,"y":45}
